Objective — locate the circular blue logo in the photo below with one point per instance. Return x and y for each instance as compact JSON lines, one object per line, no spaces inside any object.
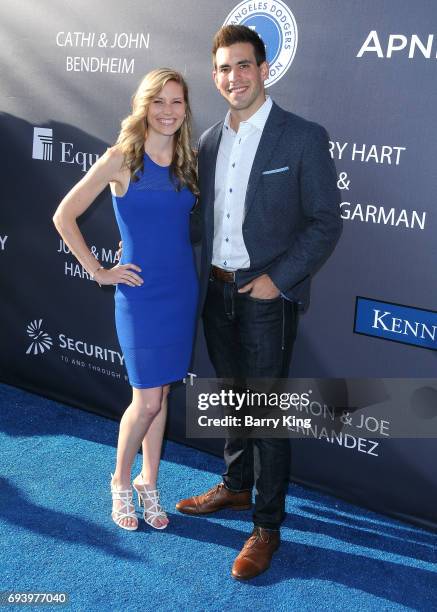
{"x":275,"y":24}
{"x":270,"y":32}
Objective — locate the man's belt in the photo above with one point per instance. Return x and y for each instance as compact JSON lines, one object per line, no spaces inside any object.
{"x":223,"y":275}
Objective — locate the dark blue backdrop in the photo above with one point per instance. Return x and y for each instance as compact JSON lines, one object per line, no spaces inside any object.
{"x":366,"y":72}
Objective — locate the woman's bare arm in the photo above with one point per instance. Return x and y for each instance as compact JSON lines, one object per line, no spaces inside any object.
{"x":107,"y":169}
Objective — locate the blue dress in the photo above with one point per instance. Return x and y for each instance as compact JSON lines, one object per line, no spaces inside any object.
{"x":155,"y":322}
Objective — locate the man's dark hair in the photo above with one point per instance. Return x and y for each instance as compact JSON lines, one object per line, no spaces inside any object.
{"x":231,"y":34}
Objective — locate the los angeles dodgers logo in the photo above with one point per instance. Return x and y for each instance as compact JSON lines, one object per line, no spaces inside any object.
{"x":275,"y":24}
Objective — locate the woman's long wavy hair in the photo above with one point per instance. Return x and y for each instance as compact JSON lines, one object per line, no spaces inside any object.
{"x":133,"y":133}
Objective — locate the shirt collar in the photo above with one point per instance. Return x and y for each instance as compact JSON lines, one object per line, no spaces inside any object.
{"x":257,"y":120}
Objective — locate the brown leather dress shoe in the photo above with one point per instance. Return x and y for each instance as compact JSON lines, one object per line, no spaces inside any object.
{"x":217,"y":498}
{"x":256,"y":554}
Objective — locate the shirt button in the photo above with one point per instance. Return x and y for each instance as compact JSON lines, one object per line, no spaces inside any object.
{"x":228,"y":215}
{"x":233,"y":165}
{"x":226,"y":263}
{"x":230,"y":190}
{"x":227,"y":239}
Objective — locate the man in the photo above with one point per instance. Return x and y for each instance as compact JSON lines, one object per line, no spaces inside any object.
{"x":270,"y":215}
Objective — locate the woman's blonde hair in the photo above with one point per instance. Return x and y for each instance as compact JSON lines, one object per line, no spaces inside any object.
{"x":133,"y":131}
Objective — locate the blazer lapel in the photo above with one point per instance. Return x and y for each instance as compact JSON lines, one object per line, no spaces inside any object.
{"x":210,"y":149}
{"x":266,"y":149}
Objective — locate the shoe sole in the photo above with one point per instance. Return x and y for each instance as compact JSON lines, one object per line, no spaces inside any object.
{"x":245,"y":578}
{"x":236,"y":508}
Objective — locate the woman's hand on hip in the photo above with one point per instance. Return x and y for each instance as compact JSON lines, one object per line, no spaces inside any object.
{"x":121,"y":273}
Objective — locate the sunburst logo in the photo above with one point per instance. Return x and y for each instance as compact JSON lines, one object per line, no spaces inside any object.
{"x":41,"y":341}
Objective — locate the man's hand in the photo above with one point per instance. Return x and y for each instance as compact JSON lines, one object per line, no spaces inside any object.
{"x":262,"y":288}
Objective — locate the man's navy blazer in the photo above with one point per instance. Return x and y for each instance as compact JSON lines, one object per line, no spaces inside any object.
{"x":292,"y":207}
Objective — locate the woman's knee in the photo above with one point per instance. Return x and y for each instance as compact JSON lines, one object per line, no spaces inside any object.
{"x":147,"y":403}
{"x":149,"y":409}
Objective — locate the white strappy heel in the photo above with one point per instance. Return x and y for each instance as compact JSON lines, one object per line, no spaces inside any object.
{"x":149,"y":499}
{"x":126,"y":510}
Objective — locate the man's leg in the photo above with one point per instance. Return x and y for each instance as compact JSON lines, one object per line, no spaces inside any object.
{"x":267,"y":329}
{"x":222,"y":339}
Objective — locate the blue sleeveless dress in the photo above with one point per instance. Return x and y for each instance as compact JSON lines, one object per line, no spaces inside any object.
{"x":155,"y":322}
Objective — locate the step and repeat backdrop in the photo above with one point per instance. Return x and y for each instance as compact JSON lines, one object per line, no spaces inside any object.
{"x":369,"y":337}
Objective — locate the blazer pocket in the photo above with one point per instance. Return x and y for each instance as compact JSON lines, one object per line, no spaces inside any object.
{"x":276,"y":170}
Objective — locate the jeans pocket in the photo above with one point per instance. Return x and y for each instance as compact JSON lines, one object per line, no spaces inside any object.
{"x":262,"y":300}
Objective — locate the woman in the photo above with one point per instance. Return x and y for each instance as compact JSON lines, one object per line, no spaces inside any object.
{"x":151,"y":172}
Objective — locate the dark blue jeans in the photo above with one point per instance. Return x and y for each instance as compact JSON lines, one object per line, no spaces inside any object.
{"x":252,"y":338}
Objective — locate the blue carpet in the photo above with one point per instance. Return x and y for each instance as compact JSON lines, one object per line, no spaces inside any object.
{"x":57,"y":535}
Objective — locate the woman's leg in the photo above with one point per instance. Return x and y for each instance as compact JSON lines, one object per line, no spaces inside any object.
{"x":134,"y":424}
{"x":152,"y":444}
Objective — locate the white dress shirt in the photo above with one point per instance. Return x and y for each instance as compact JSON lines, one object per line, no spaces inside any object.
{"x":234,"y":162}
